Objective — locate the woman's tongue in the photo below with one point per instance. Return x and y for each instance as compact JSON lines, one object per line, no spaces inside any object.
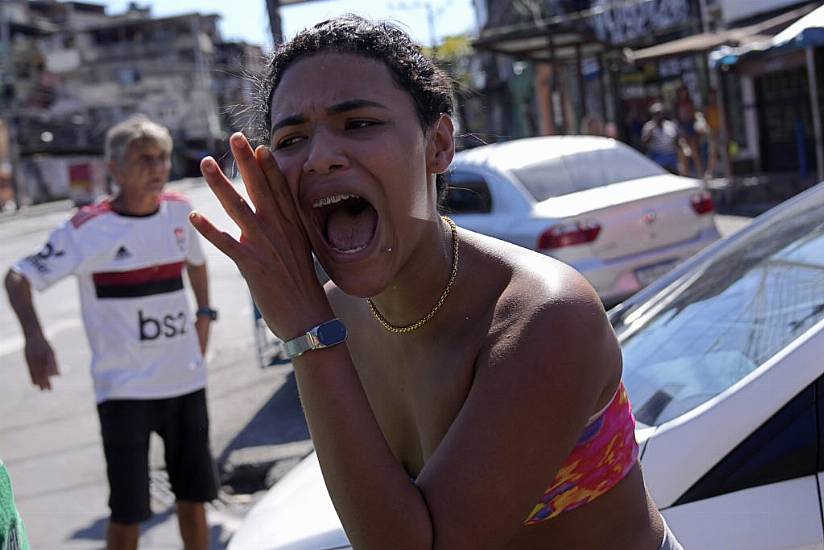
{"x":351,"y":230}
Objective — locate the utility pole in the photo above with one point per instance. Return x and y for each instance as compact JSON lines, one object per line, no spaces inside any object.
{"x":275,"y":22}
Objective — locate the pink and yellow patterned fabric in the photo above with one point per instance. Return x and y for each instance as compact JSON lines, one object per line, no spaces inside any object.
{"x":603,"y":456}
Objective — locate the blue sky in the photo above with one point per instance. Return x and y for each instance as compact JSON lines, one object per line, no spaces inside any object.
{"x":247,"y":19}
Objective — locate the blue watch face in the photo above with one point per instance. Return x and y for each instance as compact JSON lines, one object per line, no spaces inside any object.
{"x":332,"y":332}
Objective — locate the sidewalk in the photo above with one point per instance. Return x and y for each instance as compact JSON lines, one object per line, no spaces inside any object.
{"x":9,"y":213}
{"x":752,"y":195}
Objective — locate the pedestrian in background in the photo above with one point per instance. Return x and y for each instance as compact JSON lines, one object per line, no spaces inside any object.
{"x":461,"y":392}
{"x":713,"y":118}
{"x":128,"y":253}
{"x":685,"y":112}
{"x":659,"y":138}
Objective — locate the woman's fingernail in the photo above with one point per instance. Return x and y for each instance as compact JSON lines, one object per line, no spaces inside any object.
{"x":208,"y":165}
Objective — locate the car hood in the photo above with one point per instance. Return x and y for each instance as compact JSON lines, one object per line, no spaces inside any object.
{"x":297,"y":513}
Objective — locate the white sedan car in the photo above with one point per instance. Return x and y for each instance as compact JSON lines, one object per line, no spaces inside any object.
{"x":723,"y":362}
{"x":594,"y":203}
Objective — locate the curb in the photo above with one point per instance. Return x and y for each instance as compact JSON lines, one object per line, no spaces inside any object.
{"x":64,"y":205}
{"x":36,"y":210}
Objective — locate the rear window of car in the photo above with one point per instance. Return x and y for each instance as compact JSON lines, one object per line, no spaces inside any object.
{"x":724,"y":319}
{"x":466,"y":193}
{"x":582,"y":170}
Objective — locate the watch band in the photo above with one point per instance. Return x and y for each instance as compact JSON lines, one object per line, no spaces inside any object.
{"x":206,"y":312}
{"x":322,"y":336}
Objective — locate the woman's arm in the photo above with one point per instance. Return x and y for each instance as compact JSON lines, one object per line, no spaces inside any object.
{"x":534,"y":389}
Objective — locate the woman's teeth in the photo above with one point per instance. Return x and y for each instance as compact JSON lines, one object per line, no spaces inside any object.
{"x":326,"y":201}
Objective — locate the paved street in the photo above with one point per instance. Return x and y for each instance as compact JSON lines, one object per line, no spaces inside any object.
{"x":50,"y":441}
{"x":728,"y":225}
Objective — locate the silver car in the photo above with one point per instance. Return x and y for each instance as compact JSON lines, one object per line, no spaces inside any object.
{"x":594,"y":203}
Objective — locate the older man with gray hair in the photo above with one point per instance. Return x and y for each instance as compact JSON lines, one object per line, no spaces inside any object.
{"x":128,"y":253}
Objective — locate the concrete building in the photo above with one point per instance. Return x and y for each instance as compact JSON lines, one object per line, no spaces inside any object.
{"x":78,"y":70}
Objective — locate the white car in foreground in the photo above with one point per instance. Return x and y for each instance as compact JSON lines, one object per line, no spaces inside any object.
{"x":724,"y":364}
{"x":592,"y":202}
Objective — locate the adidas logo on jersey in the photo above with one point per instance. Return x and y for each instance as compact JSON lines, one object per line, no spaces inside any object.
{"x":122,"y":253}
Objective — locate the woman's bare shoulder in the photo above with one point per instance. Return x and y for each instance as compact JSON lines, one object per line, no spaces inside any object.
{"x":547,"y":309}
{"x":537,"y":284}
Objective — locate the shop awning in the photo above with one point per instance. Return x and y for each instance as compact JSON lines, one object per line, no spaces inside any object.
{"x":697,"y":43}
{"x":701,"y":43}
{"x":560,"y":37}
{"x":808,"y":31}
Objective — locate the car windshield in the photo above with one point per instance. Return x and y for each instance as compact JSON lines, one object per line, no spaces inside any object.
{"x":571,"y":172}
{"x":722,"y":320}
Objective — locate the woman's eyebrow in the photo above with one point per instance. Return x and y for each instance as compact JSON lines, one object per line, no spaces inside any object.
{"x":336,"y":109}
{"x":292,"y":120}
{"x":351,"y":105}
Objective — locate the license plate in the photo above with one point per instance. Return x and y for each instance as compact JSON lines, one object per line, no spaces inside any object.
{"x":646,"y":275}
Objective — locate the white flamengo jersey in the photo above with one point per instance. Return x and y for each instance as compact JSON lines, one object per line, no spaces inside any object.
{"x":130,"y":275}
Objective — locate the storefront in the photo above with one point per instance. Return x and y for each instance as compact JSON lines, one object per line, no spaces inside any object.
{"x":578,"y":54}
{"x":774,"y":105}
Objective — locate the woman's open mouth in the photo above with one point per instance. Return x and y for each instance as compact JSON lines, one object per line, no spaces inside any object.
{"x":348,"y":223}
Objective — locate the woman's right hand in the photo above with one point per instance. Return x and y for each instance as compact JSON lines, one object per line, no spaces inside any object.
{"x":273,"y":252}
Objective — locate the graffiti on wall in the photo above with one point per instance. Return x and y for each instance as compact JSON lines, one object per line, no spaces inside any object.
{"x":622,"y":22}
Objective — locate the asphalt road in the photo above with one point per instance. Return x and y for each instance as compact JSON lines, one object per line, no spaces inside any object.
{"x":50,"y":441}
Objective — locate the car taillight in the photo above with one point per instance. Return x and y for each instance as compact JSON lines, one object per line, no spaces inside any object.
{"x":569,"y":234}
{"x":702,"y":203}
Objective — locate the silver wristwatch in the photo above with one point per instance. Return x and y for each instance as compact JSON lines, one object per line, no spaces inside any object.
{"x":322,"y":336}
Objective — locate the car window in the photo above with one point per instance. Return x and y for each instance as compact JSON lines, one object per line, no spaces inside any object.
{"x":582,"y":170}
{"x":720,"y":321}
{"x":585,"y":170}
{"x":466,"y":193}
{"x":623,"y":163}
{"x":546,"y":179}
{"x":784,"y":447}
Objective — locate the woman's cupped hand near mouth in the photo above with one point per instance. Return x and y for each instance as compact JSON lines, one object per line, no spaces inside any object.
{"x":273,"y":253}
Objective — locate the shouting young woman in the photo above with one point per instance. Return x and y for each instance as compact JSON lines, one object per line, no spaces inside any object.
{"x":477,"y":399}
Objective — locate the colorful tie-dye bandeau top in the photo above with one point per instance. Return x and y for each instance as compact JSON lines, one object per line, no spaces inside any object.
{"x":603,"y":456}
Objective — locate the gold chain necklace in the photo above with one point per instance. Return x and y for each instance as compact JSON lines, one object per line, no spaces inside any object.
{"x":426,"y":318}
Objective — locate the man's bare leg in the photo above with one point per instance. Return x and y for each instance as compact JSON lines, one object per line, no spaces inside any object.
{"x":191,"y":517}
{"x":122,"y":536}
